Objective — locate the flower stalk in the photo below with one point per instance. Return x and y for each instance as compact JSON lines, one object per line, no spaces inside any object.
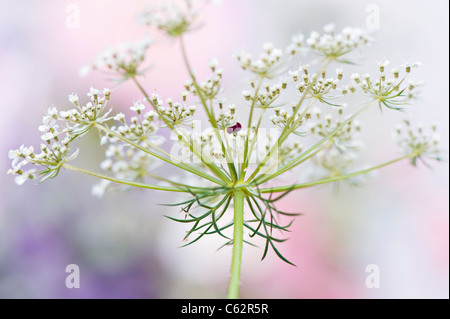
{"x":128,"y":183}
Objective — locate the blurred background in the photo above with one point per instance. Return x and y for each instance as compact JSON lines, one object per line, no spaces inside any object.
{"x":124,"y":246}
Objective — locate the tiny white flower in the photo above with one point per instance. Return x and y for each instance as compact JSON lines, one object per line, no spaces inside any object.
{"x":383,"y":64}
{"x":48,"y":136}
{"x":93,"y":92}
{"x":246,"y":94}
{"x":213,"y":63}
{"x":99,"y":189}
{"x":14,"y":154}
{"x":119,"y":117}
{"x":268,"y":47}
{"x":294,"y":75}
{"x":298,"y":39}
{"x":52,"y":111}
{"x":26,"y":151}
{"x":106,"y":164}
{"x":277,"y":54}
{"x":436,"y":137}
{"x":329,"y":28}
{"x":20,"y":179}
{"x":73,"y":98}
{"x":137,"y":107}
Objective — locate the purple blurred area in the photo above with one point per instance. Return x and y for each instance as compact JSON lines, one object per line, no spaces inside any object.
{"x":124,"y":246}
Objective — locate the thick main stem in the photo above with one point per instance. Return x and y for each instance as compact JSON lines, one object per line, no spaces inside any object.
{"x":238,"y":237}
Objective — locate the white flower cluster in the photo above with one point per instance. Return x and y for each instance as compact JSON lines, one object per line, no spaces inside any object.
{"x":339,"y":157}
{"x":288,"y":151}
{"x":211,"y":148}
{"x":265,"y":97}
{"x":125,"y":59}
{"x":266,"y":65}
{"x":283,"y":119}
{"x":333,"y":46}
{"x":418,"y":141}
{"x":80,"y":119}
{"x":346,"y":138}
{"x":50,"y":158}
{"x":55,"y":150}
{"x":391,"y":92}
{"x":142,"y":129}
{"x":177,"y":114}
{"x":333,"y":163}
{"x":297,"y":45}
{"x":172,"y":17}
{"x":173,"y":113}
{"x":317,"y":86}
{"x":124,"y":161}
{"x":204,"y":140}
{"x":209,"y":88}
{"x":226,"y":119}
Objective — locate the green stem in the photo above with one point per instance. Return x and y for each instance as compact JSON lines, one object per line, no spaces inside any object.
{"x":286,"y":130}
{"x":238,"y":237}
{"x":332,"y":179}
{"x":209,"y":113}
{"x":204,"y":158}
{"x":120,"y":181}
{"x":261,"y":179}
{"x":284,"y":134}
{"x":296,"y":161}
{"x":178,"y":164}
{"x":249,"y":126}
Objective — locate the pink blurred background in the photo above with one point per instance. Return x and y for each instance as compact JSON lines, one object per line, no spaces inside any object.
{"x":124,"y":246}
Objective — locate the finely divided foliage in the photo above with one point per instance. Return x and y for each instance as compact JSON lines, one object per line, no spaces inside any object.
{"x":226,"y":162}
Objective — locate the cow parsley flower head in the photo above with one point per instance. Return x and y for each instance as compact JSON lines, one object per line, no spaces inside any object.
{"x":333,"y":163}
{"x":47,"y":163}
{"x":416,"y":140}
{"x":297,"y":45}
{"x":346,"y":136}
{"x":173,"y":17}
{"x":125,"y":60}
{"x":318,"y":86}
{"x":209,"y":88}
{"x":264,"y":98}
{"x":58,"y":130}
{"x":82,"y":118}
{"x":170,"y":17}
{"x":231,"y":156}
{"x":125,"y":163}
{"x":141,"y":129}
{"x":226,"y":117}
{"x":268,"y":63}
{"x":334,"y":46}
{"x":390,"y":91}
